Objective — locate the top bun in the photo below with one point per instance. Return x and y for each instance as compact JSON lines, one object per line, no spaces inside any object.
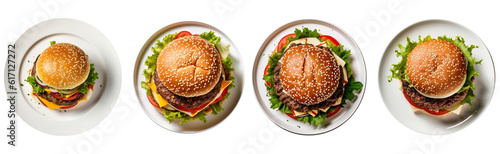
{"x":436,"y":68}
{"x":189,"y":66}
{"x":309,"y":74}
{"x":63,"y":66}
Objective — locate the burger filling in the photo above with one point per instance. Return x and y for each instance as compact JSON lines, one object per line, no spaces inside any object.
{"x":432,"y":103}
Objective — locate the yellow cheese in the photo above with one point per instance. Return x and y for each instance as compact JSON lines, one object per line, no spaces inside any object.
{"x":163,"y":103}
{"x":297,"y":113}
{"x":313,"y":112}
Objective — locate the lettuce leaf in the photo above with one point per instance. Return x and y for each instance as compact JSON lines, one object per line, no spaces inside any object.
{"x":84,"y":88}
{"x":399,"y":69}
{"x":339,"y":50}
{"x":36,"y":88}
{"x":210,"y":37}
{"x":304,"y":33}
{"x":151,"y":63}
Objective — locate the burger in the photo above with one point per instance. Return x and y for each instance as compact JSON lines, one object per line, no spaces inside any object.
{"x":188,"y":76}
{"x":436,"y":75}
{"x":309,"y":76}
{"x":62,"y":76}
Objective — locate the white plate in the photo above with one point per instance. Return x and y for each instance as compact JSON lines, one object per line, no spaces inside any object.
{"x":197,"y":125}
{"x":423,"y":123}
{"x":101,"y":53}
{"x":281,"y":119}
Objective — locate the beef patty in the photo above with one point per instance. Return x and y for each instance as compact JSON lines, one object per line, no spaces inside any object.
{"x":49,"y":97}
{"x":292,"y":104}
{"x":431,"y":103}
{"x":186,"y":102}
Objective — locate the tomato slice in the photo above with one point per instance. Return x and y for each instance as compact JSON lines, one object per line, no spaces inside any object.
{"x":328,"y":37}
{"x":440,"y":112}
{"x":196,"y":35}
{"x":91,"y":86}
{"x":224,"y":92}
{"x":58,"y":96}
{"x":333,"y":112}
{"x":182,"y":34}
{"x":153,"y":102}
{"x":291,"y":116}
{"x":265,"y":73}
{"x":284,"y":41}
{"x":68,"y":107}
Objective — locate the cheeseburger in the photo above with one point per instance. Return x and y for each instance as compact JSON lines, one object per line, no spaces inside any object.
{"x":62,"y":76}
{"x":436,"y":75}
{"x":306,"y":77}
{"x":190,"y":76}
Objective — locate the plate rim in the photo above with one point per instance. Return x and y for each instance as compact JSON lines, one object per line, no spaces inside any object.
{"x":145,"y":49}
{"x":410,"y":26}
{"x":268,"y":41}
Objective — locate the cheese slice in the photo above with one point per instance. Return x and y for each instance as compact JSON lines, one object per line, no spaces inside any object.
{"x":313,"y":112}
{"x":298,"y":114}
{"x":164,"y":103}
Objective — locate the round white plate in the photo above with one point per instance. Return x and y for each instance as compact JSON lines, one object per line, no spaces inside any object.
{"x":197,"y":125}
{"x":101,"y":53}
{"x":281,"y":119}
{"x":423,"y":123}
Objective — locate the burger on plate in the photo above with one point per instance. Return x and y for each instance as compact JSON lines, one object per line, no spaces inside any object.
{"x":309,"y":76}
{"x":62,"y":76}
{"x":188,"y":76}
{"x":436,"y":74}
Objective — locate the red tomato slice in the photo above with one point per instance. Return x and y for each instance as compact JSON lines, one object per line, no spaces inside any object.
{"x":196,"y":34}
{"x":283,"y":41}
{"x":224,"y":92}
{"x":328,"y":37}
{"x":440,"y":112}
{"x":68,"y":107}
{"x":182,"y":34}
{"x":91,"y":86}
{"x":58,"y":96}
{"x":333,"y":112}
{"x":153,"y":102}
{"x":291,"y":116}
{"x":265,"y":73}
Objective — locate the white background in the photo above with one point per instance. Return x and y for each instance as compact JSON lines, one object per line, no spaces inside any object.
{"x":372,"y":129}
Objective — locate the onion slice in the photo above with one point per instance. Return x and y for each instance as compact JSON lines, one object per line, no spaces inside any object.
{"x":40,"y":82}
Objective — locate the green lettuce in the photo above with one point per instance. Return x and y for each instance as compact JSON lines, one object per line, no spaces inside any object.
{"x":210,"y":37}
{"x":398,"y":69}
{"x":36,"y":88}
{"x":151,"y":63}
{"x":350,"y":87}
{"x":84,"y":88}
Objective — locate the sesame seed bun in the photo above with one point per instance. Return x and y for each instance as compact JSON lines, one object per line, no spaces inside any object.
{"x":309,"y":74}
{"x":189,"y":66}
{"x":63,"y":66}
{"x":436,"y":68}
